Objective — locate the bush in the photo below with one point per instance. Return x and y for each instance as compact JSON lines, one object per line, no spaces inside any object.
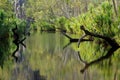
{"x":7,"y":23}
{"x":60,"y":23}
{"x":47,"y":26}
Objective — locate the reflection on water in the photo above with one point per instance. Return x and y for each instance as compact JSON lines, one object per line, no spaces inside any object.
{"x":48,"y":58}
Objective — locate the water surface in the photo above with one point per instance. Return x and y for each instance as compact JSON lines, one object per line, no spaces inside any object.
{"x":47,"y":57}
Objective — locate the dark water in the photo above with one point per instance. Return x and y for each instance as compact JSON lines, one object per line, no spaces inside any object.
{"x":47,"y":57}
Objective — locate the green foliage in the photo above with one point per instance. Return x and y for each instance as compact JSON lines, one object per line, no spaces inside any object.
{"x":46,"y":26}
{"x":4,"y":36}
{"x":72,"y":25}
{"x":21,"y":24}
{"x":117,"y":24}
{"x":6,"y":5}
{"x":7,"y":23}
{"x":100,"y":20}
{"x":99,"y":17}
{"x":104,"y":19}
{"x":60,"y":23}
{"x":68,"y":26}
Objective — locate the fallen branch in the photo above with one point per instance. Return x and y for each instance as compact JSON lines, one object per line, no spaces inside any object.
{"x":111,"y":41}
{"x":114,"y":46}
{"x":76,"y":40}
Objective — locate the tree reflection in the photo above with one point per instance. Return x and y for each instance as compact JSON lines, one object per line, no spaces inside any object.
{"x":26,"y":73}
{"x":112,"y":42}
{"x":108,"y":55}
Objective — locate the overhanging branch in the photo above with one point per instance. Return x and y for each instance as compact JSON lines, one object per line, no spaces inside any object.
{"x":114,"y":46}
{"x":111,"y":41}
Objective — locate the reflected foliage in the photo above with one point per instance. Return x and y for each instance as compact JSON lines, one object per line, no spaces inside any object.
{"x":64,"y":62}
{"x":7,"y":22}
{"x":24,"y":72}
{"x":45,"y":58}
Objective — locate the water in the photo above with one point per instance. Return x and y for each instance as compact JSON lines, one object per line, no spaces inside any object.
{"x":48,"y":57}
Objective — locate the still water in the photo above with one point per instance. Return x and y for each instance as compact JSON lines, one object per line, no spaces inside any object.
{"x":49,"y":57}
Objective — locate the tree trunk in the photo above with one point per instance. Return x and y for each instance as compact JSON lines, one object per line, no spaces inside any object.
{"x":115,"y":7}
{"x":18,"y":8}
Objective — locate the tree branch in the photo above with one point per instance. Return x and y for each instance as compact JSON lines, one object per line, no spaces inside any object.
{"x":76,"y":40}
{"x":111,"y":41}
{"x":81,"y":39}
{"x":114,"y":46}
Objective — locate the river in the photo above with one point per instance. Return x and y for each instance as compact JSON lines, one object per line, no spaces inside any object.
{"x":48,"y":56}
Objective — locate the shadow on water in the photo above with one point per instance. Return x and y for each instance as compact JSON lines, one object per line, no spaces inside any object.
{"x":26,"y":73}
{"x":37,"y":76}
{"x":22,"y":69}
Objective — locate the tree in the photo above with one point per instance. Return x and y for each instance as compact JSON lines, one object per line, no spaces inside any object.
{"x":19,"y":8}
